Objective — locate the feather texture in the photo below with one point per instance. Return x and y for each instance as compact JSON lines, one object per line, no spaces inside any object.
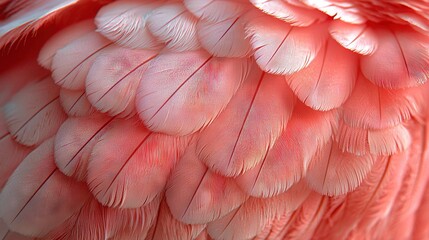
{"x":295,"y":16}
{"x":287,"y":162}
{"x":182,"y":92}
{"x":74,"y":142}
{"x":326,"y":84}
{"x":62,"y":39}
{"x":282,"y":49}
{"x":129,"y":165}
{"x":112,"y":81}
{"x":175,"y":26}
{"x":196,"y":195}
{"x":244,"y":133}
{"x":358,"y":38}
{"x":32,"y":210}
{"x":71,"y":64}
{"x":333,"y":172}
{"x":75,"y":103}
{"x":34,"y":113}
{"x":226,"y":38}
{"x":407,"y":55}
{"x":125,"y":23}
{"x":216,"y":10}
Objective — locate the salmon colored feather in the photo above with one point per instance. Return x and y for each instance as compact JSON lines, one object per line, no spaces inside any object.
{"x":214,"y":119}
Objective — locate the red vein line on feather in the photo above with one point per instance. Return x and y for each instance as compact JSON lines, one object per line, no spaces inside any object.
{"x":195,"y":193}
{"x":278,"y":47}
{"x":125,"y":76}
{"x":86,"y":58}
{"x":125,"y":163}
{"x":35,"y":114}
{"x":180,"y":86}
{"x":86,"y":143}
{"x":74,"y":104}
{"x":34,"y":194}
{"x":402,"y":53}
{"x":245,"y":117}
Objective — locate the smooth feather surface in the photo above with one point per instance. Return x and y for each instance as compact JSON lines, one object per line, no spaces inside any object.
{"x":74,"y":142}
{"x":244,"y":133}
{"x":32,"y":210}
{"x":75,"y":103}
{"x":71,"y":64}
{"x":34,"y":114}
{"x":216,"y":10}
{"x":326,"y":84}
{"x":175,"y":26}
{"x":112,"y":81}
{"x":129,"y":165}
{"x":182,"y":92}
{"x":196,"y":195}
{"x":125,"y":23}
{"x":282,"y":49}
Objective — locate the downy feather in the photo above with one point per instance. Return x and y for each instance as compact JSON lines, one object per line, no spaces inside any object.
{"x":182,"y":92}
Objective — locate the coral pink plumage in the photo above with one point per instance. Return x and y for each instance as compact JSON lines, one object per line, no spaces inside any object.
{"x":214,"y":119}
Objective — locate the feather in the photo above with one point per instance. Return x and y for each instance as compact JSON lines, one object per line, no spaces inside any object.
{"x":282,"y":49}
{"x":375,"y":197}
{"x":248,"y":128}
{"x":250,"y":218}
{"x":129,"y":165}
{"x":338,"y":10}
{"x":295,"y":16}
{"x":182,"y":92}
{"x":421,"y":231}
{"x":326,"y":83}
{"x":400,"y":60}
{"x":358,"y":38}
{"x":167,"y":227}
{"x":34,"y":113}
{"x":74,"y":142}
{"x":374,"y":107}
{"x":131,"y":223}
{"x":125,"y":23}
{"x":308,"y":217}
{"x":11,"y":155}
{"x":18,"y":76}
{"x":175,"y":26}
{"x":28,"y":19}
{"x":287,"y":162}
{"x":32,"y":210}
{"x":71,"y":63}
{"x":87,"y":223}
{"x":225,"y":38}
{"x":62,"y":39}
{"x":6,"y":234}
{"x":112,"y":81}
{"x":216,"y":10}
{"x":75,"y":103}
{"x":196,"y":195}
{"x":385,"y":141}
{"x":333,"y":172}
